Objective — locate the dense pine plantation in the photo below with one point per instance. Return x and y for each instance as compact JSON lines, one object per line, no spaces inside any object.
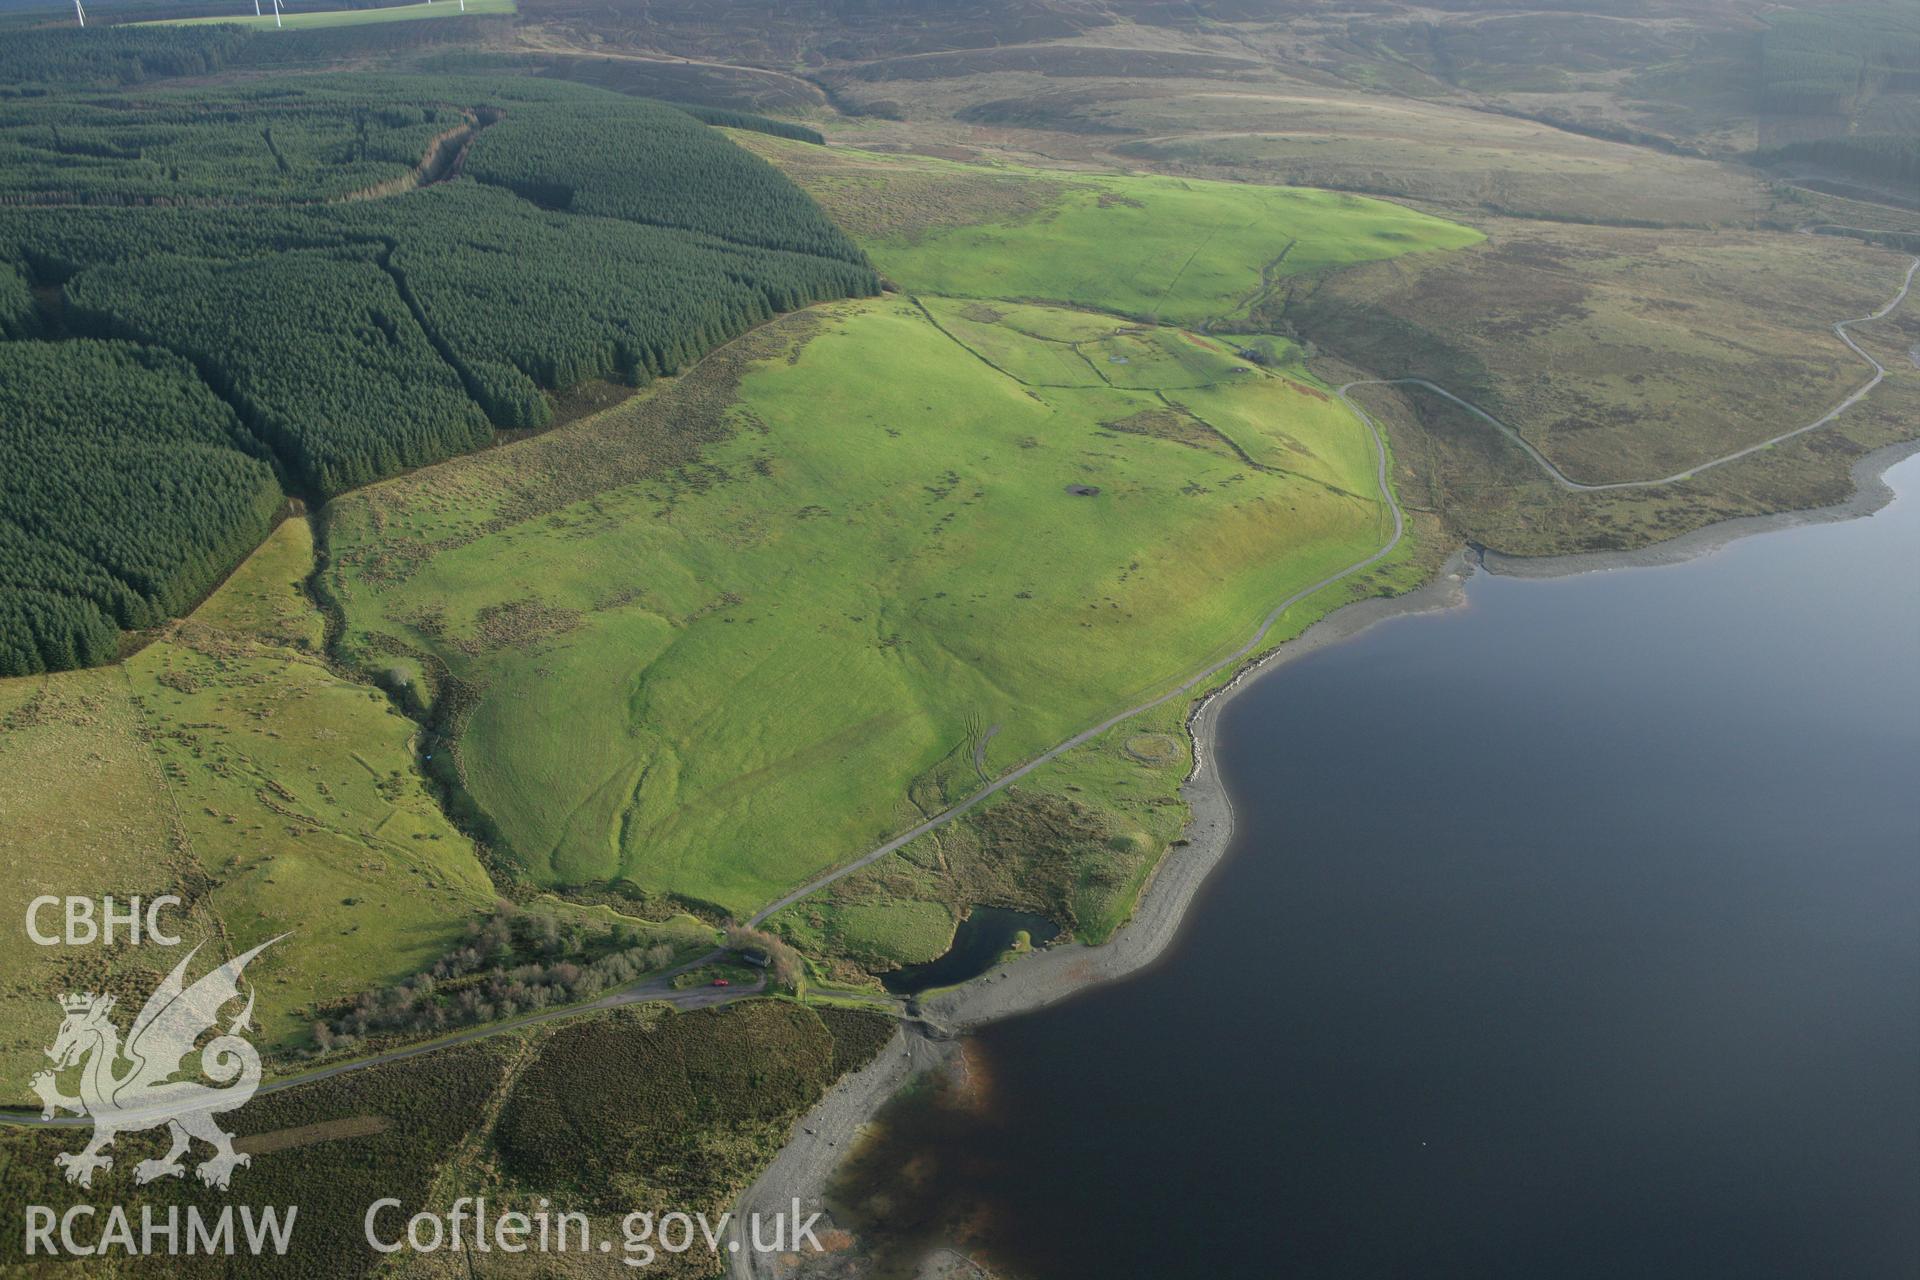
{"x":266,"y":151}
{"x":268,"y":300}
{"x":129,"y":489}
{"x":116,"y":55}
{"x":105,"y":57}
{"x":315,"y":347}
{"x":1891,"y":157}
{"x":571,"y":156}
{"x":16,"y":304}
{"x":1815,"y":61}
{"x":569,"y":283}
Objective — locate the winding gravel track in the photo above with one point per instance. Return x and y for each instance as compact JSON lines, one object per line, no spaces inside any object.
{"x":1568,"y":482}
{"x":661,"y":988}
{"x":1186,"y":686}
{"x":1399,"y":527}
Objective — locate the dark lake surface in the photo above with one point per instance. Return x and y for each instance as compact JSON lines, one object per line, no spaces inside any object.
{"x":982,"y":938}
{"x":1574,"y":933}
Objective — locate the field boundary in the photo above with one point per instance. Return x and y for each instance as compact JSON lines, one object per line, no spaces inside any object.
{"x":658,"y":987}
{"x":1382,"y":465}
{"x":1399,"y":525}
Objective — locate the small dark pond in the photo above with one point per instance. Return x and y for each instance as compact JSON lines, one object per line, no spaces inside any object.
{"x":1570,"y":935}
{"x":981,"y":940}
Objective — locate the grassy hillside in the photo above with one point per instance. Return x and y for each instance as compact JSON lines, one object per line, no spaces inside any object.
{"x":830,"y":570}
{"x":715,"y":674}
{"x":748,"y":622}
{"x":1177,"y":250}
{"x":726,"y":635}
{"x":227,"y":763}
{"x":300,"y":251}
{"x":1167,"y":248}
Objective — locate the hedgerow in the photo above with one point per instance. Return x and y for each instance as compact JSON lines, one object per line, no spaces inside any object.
{"x":515,"y":962}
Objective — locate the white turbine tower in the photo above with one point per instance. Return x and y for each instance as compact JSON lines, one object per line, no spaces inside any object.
{"x":79,"y":13}
{"x":276,"y":15}
{"x":256,"y":8}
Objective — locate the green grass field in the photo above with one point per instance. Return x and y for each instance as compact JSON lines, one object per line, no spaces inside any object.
{"x":1182,"y":251}
{"x":1166,"y":248}
{"x":227,"y":762}
{"x":725,"y":636}
{"x":745,"y":624}
{"x":731,"y":674}
{"x":302,"y":20}
{"x":1075,"y":841}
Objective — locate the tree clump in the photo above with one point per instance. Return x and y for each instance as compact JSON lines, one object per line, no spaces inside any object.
{"x":782,"y":961}
{"x":512,"y":963}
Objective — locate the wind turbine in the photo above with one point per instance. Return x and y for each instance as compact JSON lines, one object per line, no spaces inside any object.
{"x":276,"y":15}
{"x":79,"y":13}
{"x":256,"y":8}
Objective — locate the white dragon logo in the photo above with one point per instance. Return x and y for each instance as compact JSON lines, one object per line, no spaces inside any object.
{"x":145,"y":1095}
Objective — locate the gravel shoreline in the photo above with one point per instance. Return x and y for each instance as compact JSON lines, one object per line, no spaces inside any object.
{"x":1045,"y":977}
{"x":1870,"y":493}
{"x":802,"y":1169}
{"x":1038,"y":980}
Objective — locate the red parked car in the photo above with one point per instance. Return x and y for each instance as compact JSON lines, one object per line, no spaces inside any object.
{"x":721,"y":982}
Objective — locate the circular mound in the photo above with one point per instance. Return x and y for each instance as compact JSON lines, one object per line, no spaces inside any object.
{"x":1153,"y":748}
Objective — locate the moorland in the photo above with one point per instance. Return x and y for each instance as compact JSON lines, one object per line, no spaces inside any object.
{"x":454,"y":486}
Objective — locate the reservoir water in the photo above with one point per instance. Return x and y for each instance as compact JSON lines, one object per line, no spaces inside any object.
{"x":1572,"y":933}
